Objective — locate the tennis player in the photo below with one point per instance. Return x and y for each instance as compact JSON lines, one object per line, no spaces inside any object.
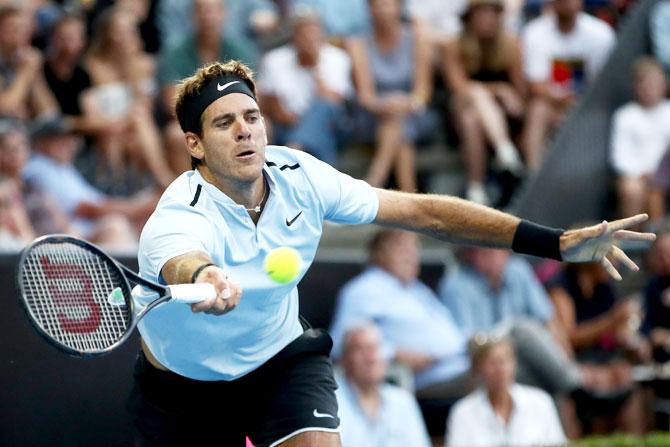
{"x":242,"y":363}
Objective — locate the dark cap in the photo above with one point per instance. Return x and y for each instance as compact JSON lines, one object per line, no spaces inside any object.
{"x":48,"y":127}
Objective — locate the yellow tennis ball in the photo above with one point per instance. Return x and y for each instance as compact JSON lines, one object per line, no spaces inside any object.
{"x":283,"y":264}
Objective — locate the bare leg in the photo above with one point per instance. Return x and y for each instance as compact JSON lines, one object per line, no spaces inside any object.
{"x":632,"y":195}
{"x":151,"y":149}
{"x":313,"y":439}
{"x":490,"y":114}
{"x":539,"y":119}
{"x":389,"y":138}
{"x":405,"y":168}
{"x":473,"y":149}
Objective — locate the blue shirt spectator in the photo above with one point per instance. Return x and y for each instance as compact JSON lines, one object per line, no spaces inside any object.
{"x":373,"y":413}
{"x":341,"y":18}
{"x":478,"y":305}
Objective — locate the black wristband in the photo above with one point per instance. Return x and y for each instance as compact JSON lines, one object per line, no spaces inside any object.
{"x":537,"y":240}
{"x":197,"y":271}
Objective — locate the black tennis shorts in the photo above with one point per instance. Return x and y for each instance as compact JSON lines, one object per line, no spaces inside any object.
{"x":292,"y":392}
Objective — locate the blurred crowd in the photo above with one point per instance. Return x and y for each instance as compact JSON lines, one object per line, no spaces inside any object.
{"x":88,"y":136}
{"x":88,"y":140}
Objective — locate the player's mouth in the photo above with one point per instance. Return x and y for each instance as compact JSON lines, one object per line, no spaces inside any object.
{"x":245,"y":155}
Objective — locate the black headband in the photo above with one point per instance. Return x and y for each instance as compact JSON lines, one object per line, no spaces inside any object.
{"x":191,"y":109}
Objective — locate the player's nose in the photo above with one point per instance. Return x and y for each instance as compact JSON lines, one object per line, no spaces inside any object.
{"x":242,"y":130}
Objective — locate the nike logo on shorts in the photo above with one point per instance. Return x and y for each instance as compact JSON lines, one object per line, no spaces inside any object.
{"x":322,"y":415}
{"x":290,"y":222}
{"x":221,"y":88}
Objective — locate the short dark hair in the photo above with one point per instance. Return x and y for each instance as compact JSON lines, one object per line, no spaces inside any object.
{"x":190,"y":87}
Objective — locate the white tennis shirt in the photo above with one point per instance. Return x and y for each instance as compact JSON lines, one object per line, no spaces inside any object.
{"x":195,"y":215}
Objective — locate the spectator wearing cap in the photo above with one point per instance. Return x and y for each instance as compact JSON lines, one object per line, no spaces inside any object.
{"x":564,"y":50}
{"x":374,"y":413}
{"x":44,"y":214}
{"x":501,"y":412}
{"x":23,"y":91}
{"x":303,"y":86}
{"x":483,"y":68}
{"x":108,"y":221}
{"x":392,"y":73}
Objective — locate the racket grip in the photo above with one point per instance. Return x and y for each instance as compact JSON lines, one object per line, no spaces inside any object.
{"x":192,"y":293}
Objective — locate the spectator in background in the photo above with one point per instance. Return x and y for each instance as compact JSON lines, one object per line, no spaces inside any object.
{"x":659,"y":187}
{"x":564,"y":50}
{"x":420,"y":333}
{"x":502,"y":412}
{"x":602,"y":332}
{"x":341,"y":18}
{"x":180,"y":59}
{"x":124,"y":88}
{"x":15,"y":229}
{"x":483,"y":69}
{"x":417,"y":331}
{"x":24,"y":93}
{"x":108,"y":221}
{"x":392,"y":73}
{"x":440,"y":20}
{"x":248,"y":22}
{"x":373,"y":413}
{"x":659,"y":31}
{"x":640,"y":136}
{"x":44,"y":214}
{"x":303,"y":85}
{"x":656,"y":323}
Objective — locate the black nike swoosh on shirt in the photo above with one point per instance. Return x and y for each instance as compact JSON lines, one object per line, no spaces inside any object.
{"x":290,"y":222}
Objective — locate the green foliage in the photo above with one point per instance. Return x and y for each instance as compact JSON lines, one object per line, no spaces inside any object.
{"x":656,"y":439}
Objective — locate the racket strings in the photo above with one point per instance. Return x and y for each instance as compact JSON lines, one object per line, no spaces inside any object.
{"x":66,"y":289}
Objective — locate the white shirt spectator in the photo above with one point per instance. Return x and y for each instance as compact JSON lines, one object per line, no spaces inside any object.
{"x":640,"y":137}
{"x":533,"y":422}
{"x":569,"y":60}
{"x":398,"y":424}
{"x":443,"y":17}
{"x":295,"y":86}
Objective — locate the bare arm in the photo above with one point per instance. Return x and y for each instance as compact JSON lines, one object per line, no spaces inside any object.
{"x":180,"y":270}
{"x":453,"y":67}
{"x":365,"y":87}
{"x":457,"y":220}
{"x":421,"y":91}
{"x":446,"y":217}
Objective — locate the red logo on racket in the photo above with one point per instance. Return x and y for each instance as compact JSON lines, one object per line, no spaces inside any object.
{"x":74,"y":298}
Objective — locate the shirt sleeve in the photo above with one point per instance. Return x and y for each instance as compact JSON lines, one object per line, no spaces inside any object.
{"x":170,"y":233}
{"x":417,"y":434}
{"x":459,"y":427}
{"x":343,"y":199}
{"x":451,"y":294}
{"x":622,"y":152}
{"x":554,"y":429}
{"x":538,"y":304}
{"x":536,"y":61}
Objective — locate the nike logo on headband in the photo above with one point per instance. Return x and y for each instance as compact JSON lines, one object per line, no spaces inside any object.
{"x":221,"y":88}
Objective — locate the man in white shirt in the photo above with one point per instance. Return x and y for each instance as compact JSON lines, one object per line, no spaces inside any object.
{"x":640,"y":135}
{"x":216,"y":371}
{"x":564,"y":49}
{"x":304,"y":85}
{"x":502,"y":412}
{"x":374,"y":413}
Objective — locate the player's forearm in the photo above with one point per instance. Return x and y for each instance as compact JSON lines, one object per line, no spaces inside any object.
{"x":448,"y":218}
{"x":180,"y":269}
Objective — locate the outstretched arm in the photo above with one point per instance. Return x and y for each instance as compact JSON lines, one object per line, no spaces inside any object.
{"x":456,"y":220}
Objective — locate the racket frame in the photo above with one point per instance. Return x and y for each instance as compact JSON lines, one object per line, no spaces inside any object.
{"x":124,"y":273}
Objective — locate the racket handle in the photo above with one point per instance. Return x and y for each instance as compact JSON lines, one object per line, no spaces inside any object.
{"x":192,"y":293}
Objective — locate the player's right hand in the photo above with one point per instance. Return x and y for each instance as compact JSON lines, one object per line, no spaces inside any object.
{"x":228,"y":293}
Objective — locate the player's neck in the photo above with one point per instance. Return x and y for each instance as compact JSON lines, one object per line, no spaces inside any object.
{"x":249,"y":195}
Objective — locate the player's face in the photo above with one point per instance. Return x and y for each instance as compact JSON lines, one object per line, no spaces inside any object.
{"x":233,"y":139}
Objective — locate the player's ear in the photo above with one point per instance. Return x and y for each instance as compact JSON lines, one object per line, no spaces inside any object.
{"x":194,"y":146}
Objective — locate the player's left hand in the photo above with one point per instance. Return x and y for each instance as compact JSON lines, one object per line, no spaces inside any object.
{"x":599,"y":243}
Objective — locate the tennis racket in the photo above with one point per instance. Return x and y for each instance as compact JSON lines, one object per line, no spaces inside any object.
{"x":80,"y":299}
